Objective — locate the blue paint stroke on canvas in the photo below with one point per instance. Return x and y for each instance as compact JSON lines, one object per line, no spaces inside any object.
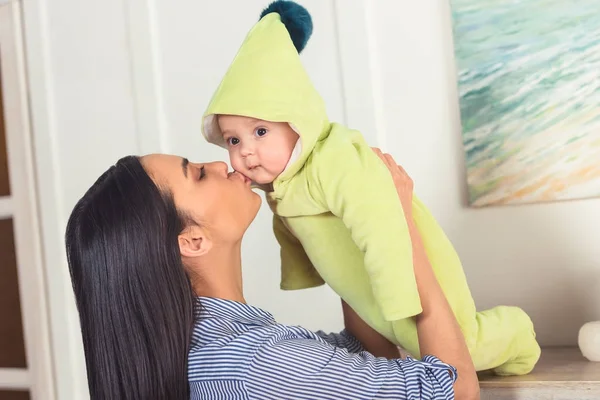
{"x":529,"y":84}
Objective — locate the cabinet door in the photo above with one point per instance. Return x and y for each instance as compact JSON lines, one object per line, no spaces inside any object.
{"x":25,"y":366}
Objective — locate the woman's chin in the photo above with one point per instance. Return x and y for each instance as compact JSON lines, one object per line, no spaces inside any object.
{"x":258,"y":199}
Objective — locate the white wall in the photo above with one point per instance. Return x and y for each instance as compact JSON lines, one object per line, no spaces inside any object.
{"x":192,"y":53}
{"x":112,"y":78}
{"x":83,"y":120}
{"x":544,"y":258}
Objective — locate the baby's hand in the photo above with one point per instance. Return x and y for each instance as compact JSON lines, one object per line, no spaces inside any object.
{"x":403,"y":182}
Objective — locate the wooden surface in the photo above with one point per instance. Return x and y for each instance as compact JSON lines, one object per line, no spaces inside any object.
{"x":561,"y":374}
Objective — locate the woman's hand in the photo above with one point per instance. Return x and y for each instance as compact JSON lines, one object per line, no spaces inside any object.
{"x":403,"y":182}
{"x":437,"y":329}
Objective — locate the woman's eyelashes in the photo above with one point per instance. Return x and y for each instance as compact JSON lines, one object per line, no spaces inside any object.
{"x":202,"y":173}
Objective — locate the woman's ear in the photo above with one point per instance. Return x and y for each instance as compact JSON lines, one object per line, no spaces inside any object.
{"x":193,"y":242}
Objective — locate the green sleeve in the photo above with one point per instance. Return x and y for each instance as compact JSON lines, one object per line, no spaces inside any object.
{"x":297,"y":272}
{"x":357,"y":187}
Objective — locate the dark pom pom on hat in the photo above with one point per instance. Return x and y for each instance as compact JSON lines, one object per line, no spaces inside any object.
{"x":296,"y":19}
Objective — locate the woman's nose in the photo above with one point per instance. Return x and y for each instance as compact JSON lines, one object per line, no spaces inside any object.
{"x":220,"y":167}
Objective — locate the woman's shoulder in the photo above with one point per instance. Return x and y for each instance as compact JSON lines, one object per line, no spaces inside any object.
{"x":228,"y":336}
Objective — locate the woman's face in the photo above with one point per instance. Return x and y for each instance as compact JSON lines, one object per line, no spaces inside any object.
{"x":220,"y":202}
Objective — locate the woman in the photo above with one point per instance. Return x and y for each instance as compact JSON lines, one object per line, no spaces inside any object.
{"x":154,"y":250}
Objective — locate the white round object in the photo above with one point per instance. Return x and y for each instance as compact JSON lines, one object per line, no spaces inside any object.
{"x":589,"y":340}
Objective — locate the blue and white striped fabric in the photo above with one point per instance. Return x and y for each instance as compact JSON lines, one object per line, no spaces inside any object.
{"x":240,"y":352}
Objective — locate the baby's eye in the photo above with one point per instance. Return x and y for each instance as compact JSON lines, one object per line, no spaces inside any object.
{"x":260,"y":132}
{"x":232,"y":141}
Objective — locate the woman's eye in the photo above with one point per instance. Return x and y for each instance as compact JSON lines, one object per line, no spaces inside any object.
{"x":202,"y":173}
{"x":261,"y":132}
{"x":233,"y":141}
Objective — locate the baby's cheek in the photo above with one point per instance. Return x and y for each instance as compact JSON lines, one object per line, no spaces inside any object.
{"x":235,"y":162}
{"x":283,"y":158}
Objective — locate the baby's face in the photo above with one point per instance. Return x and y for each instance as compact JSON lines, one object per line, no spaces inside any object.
{"x":258,"y":149}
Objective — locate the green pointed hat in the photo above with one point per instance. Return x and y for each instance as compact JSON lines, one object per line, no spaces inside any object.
{"x":267,"y":80}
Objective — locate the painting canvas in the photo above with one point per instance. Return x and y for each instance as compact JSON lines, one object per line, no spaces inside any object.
{"x":529,"y":86}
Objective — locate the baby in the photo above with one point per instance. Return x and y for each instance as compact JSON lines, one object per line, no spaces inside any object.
{"x":258,"y":149}
{"x":337,"y":216}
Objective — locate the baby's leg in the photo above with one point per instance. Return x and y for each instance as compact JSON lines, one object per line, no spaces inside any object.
{"x":505,"y":341}
{"x":501,"y":338}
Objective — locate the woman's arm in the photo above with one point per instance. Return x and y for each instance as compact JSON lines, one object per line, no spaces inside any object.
{"x":297,"y":368}
{"x":371,"y":340}
{"x":438,"y":331}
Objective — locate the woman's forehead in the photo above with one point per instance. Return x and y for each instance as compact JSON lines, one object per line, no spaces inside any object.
{"x":162,"y":160}
{"x":165,"y":167}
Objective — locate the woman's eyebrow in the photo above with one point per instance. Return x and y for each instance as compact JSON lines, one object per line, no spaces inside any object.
{"x":184,"y":166}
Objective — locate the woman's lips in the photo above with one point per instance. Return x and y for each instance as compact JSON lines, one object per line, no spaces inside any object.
{"x":243,"y":178}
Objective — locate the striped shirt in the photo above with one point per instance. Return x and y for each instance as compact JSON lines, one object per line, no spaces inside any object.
{"x":240,"y":352}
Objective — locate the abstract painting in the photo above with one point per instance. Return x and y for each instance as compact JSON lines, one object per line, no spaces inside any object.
{"x":529,"y":87}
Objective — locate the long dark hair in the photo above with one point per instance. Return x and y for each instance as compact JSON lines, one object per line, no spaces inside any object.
{"x":135,"y":301}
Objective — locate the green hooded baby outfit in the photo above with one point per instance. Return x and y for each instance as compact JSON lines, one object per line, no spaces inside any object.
{"x":337,"y":215}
